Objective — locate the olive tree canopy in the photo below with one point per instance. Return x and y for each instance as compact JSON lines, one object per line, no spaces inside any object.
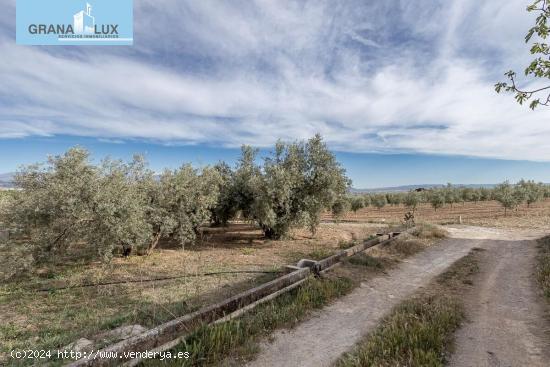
{"x":69,"y":201}
{"x":294,"y":185}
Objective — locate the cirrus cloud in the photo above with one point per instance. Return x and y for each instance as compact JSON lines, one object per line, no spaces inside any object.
{"x":392,"y":76}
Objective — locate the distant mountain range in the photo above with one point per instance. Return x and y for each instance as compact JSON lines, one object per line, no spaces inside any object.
{"x":406,"y":188}
{"x":6,"y":182}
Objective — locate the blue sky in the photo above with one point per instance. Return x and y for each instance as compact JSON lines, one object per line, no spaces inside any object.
{"x":368,"y":170}
{"x":402,"y":90}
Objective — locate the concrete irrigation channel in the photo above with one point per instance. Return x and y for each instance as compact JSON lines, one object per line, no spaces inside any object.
{"x":169,"y":334}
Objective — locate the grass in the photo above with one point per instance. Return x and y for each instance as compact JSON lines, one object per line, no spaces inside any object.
{"x":212,"y":344}
{"x":315,"y":254}
{"x":418,"y":332}
{"x":57,"y":318}
{"x":342,"y":245}
{"x":543,"y":266}
{"x":418,"y":239}
{"x":426,"y":230}
{"x":50,"y":320}
{"x":414,"y":335}
{"x":362,"y":259}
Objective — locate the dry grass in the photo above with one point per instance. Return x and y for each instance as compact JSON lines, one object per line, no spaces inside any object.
{"x":481,"y":214}
{"x":417,"y":239}
{"x":238,"y":338}
{"x":49,"y":320}
{"x":429,"y":231}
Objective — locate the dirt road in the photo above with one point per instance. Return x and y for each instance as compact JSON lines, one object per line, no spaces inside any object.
{"x":506,"y":318}
{"x":335,"y":329}
{"x":505,"y":313}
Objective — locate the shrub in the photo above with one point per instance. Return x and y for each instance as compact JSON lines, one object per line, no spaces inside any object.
{"x":425,"y":230}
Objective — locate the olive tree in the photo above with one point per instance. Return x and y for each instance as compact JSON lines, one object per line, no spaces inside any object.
{"x":379,"y":201}
{"x":339,"y":209}
{"x":504,"y":194}
{"x":476,"y":195}
{"x":466,"y":194}
{"x":533,"y":192}
{"x":357,"y":202}
{"x":69,"y":201}
{"x":366,"y":201}
{"x":119,"y":208}
{"x":181,"y":201}
{"x":245,"y":181}
{"x":520,"y":194}
{"x":451,"y":194}
{"x":485,"y":194}
{"x":295,"y":184}
{"x":411,"y":200}
{"x":393,"y":199}
{"x":436,"y":199}
{"x":226,"y":205}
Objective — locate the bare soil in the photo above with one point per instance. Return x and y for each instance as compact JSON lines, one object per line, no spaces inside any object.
{"x":337,"y":328}
{"x":48,"y":320}
{"x":506,"y":324}
{"x":489,"y":213}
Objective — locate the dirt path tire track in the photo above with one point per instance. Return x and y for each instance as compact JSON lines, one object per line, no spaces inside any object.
{"x":338,"y":327}
{"x":507,"y":325}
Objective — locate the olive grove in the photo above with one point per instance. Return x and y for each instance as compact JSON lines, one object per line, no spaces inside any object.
{"x":124,"y":207}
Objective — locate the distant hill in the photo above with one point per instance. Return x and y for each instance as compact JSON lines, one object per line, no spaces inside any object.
{"x":406,"y":188}
{"x":6,"y":180}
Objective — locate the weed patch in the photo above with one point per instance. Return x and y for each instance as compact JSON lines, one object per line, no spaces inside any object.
{"x":425,"y":230}
{"x":418,"y":332}
{"x":543,"y":266}
{"x":315,"y":254}
{"x":419,"y":238}
{"x":343,"y":245}
{"x":406,"y":246}
{"x":365,"y":260}
{"x":212,"y":344}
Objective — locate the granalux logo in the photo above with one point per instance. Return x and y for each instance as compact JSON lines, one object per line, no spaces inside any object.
{"x":75,"y":22}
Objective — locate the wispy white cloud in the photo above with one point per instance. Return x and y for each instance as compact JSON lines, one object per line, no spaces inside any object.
{"x":388,"y":76}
